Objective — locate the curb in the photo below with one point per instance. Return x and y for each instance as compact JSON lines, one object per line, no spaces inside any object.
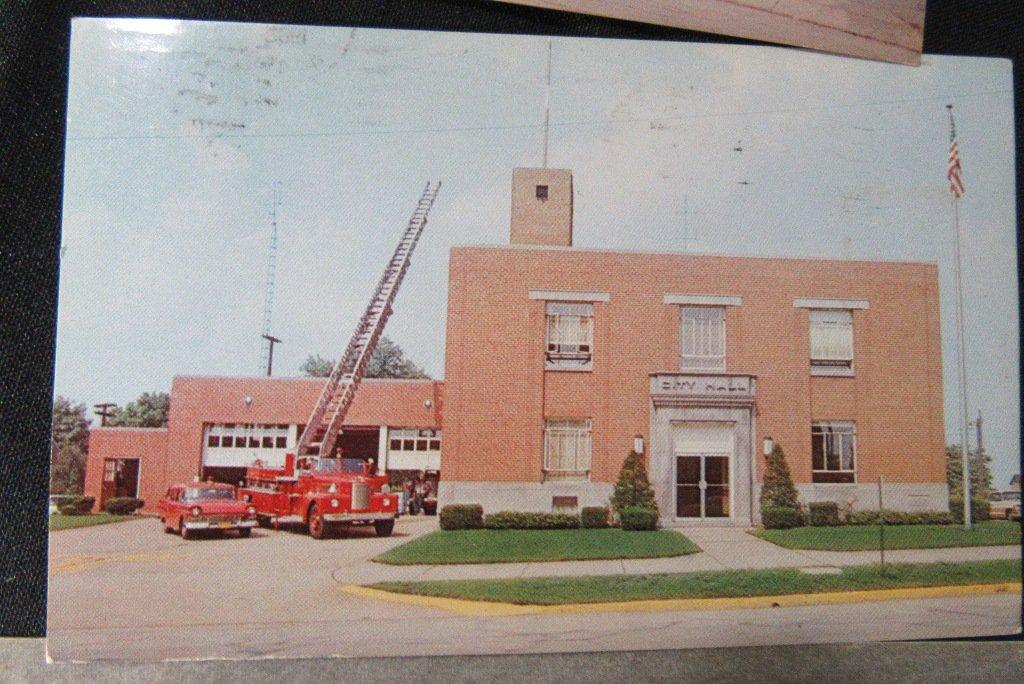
{"x":486,"y":608}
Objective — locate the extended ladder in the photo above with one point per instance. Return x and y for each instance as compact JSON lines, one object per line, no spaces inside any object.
{"x":324,"y":424}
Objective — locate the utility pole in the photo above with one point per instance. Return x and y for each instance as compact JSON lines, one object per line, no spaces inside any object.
{"x":104,"y":411}
{"x":978,"y":439}
{"x":267,"y":350}
{"x":547,"y":107}
{"x":271,"y":341}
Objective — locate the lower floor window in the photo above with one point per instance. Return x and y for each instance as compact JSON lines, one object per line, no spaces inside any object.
{"x":567,"y":448}
{"x":833,"y":452}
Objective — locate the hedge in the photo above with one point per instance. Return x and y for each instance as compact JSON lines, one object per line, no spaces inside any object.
{"x":900,"y":518}
{"x":823,"y":513}
{"x":781,"y":518}
{"x":638,"y":518}
{"x":980,"y":508}
{"x":76,"y":505}
{"x":515,"y":520}
{"x":593,"y":517}
{"x":461,"y":517}
{"x":123,"y":505}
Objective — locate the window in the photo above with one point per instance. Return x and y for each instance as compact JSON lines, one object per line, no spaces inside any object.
{"x":831,"y":341}
{"x":833,"y":452}
{"x":542,"y":192}
{"x":567,"y":448}
{"x":413,"y":439}
{"x":570,"y":335}
{"x":702,"y":338}
{"x":213,"y":436}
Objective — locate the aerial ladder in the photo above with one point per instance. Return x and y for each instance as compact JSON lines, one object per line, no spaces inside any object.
{"x":320,"y":435}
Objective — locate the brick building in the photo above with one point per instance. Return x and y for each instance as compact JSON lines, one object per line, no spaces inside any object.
{"x":219,"y":425}
{"x":560,"y":360}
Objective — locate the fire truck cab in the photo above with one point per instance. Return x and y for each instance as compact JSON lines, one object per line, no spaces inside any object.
{"x":323,"y":494}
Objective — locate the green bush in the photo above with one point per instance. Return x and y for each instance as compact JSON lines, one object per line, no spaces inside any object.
{"x":980,"y":508}
{"x":462,"y":517}
{"x":823,"y":513}
{"x":781,"y":517}
{"x":593,"y":517}
{"x":900,"y":518}
{"x":639,"y":518}
{"x":516,"y":520}
{"x":633,"y":488}
{"x":76,"y":505}
{"x":123,"y":505}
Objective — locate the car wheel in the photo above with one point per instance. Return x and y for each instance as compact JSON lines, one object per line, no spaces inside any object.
{"x":383,"y":528}
{"x":168,"y":528}
{"x":317,"y":528}
{"x":185,"y":532}
{"x":244,"y":532}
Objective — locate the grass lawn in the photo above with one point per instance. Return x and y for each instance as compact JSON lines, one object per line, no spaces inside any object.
{"x":865,"y":537}
{"x":67,"y":522}
{"x":513,"y":546}
{"x":725,"y":583}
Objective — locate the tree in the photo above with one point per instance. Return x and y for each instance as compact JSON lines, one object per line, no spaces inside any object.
{"x":387,"y":361}
{"x":69,"y":446}
{"x":149,"y":410}
{"x":777,"y":490}
{"x":981,"y":483}
{"x":633,"y":488}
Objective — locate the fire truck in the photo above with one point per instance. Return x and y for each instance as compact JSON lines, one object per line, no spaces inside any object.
{"x":323,"y":494}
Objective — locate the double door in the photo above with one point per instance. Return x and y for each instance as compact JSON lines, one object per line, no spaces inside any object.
{"x":702,"y":485}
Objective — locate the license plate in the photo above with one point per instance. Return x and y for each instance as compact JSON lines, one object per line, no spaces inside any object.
{"x":224,"y":523}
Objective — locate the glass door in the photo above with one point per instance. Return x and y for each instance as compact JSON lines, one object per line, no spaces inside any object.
{"x":702,"y":486}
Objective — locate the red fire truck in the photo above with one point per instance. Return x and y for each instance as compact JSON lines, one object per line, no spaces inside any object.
{"x":321,"y":493}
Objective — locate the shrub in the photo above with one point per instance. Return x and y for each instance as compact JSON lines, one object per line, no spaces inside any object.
{"x":633,"y":489}
{"x":124,"y":505}
{"x":980,"y":508}
{"x":593,"y":517}
{"x":781,"y":517}
{"x":639,"y":518}
{"x":900,"y":518}
{"x":76,"y":505}
{"x":823,"y":513}
{"x":462,"y":517}
{"x":515,"y":520}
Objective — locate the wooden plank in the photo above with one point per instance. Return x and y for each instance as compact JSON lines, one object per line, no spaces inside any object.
{"x":887,"y":30}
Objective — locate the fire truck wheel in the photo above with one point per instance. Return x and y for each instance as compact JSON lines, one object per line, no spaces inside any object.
{"x":383,"y":528}
{"x":317,"y":528}
{"x":244,"y":532}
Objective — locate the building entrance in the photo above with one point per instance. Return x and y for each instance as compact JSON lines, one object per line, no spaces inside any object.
{"x":120,"y":479}
{"x":702,"y":486}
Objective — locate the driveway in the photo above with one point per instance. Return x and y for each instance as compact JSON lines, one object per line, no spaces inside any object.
{"x":129,"y":591}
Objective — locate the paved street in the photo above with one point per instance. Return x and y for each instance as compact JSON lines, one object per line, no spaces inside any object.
{"x":129,"y":591}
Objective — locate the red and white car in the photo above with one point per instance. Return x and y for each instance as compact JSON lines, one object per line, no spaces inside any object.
{"x":205,"y":506}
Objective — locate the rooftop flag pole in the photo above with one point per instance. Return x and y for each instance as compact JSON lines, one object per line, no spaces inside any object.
{"x":956,"y":189}
{"x":547,"y":106}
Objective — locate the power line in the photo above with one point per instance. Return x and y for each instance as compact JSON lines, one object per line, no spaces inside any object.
{"x":511,"y":127}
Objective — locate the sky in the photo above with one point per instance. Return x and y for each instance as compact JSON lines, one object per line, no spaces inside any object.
{"x":178,"y":131}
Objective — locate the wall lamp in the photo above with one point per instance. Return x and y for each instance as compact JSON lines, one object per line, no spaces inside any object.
{"x":638,"y":444}
{"x":769,"y":444}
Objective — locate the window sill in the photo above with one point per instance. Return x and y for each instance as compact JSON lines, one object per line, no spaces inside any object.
{"x":832,"y":372}
{"x":548,"y":366}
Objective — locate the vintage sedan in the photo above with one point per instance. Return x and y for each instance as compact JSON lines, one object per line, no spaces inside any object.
{"x":205,"y":506}
{"x":1002,"y":504}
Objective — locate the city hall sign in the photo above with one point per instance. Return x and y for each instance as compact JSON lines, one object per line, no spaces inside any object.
{"x":702,"y":388}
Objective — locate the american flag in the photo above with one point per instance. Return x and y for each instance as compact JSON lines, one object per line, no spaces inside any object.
{"x":956,"y":183}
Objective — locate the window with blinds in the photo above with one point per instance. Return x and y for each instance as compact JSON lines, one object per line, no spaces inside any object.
{"x":702,"y":338}
{"x":567,"y":448}
{"x":833,"y":452}
{"x":570,"y":335}
{"x":831,"y":339}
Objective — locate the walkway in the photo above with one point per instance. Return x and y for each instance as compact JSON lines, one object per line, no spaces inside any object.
{"x":722,"y":548}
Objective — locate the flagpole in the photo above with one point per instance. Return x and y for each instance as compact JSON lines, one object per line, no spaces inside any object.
{"x":964,"y":420}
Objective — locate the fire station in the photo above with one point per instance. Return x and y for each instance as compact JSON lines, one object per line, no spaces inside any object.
{"x":560,"y":360}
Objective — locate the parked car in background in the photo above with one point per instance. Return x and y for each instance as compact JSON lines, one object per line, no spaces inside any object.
{"x":205,"y":506}
{"x":1002,"y":505}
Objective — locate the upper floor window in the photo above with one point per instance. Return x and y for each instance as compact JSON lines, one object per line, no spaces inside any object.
{"x":414,"y":439}
{"x":570,"y":335}
{"x":567,"y":448}
{"x":833,"y":452}
{"x":702,"y":338}
{"x":831,"y":341}
{"x":247,"y":436}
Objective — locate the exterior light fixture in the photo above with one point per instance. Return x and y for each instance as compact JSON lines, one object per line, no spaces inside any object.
{"x":769,"y":444}
{"x":638,"y":444}
{"x":427,"y":403}
{"x":248,"y":400}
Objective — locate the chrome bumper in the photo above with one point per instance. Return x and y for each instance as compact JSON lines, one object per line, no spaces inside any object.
{"x":342,"y":517}
{"x":207,"y":525}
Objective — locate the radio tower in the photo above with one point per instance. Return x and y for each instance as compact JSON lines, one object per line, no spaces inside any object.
{"x":268,"y":304}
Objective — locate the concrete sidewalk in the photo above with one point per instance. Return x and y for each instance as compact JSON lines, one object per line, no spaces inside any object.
{"x":722,"y":548}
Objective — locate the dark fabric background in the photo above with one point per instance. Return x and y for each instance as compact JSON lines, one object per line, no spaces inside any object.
{"x":33,"y":75}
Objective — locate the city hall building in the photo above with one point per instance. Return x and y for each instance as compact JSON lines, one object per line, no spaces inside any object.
{"x":220,"y":425}
{"x":560,"y":360}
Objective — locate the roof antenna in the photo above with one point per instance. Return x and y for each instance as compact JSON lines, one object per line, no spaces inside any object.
{"x":547,"y":106}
